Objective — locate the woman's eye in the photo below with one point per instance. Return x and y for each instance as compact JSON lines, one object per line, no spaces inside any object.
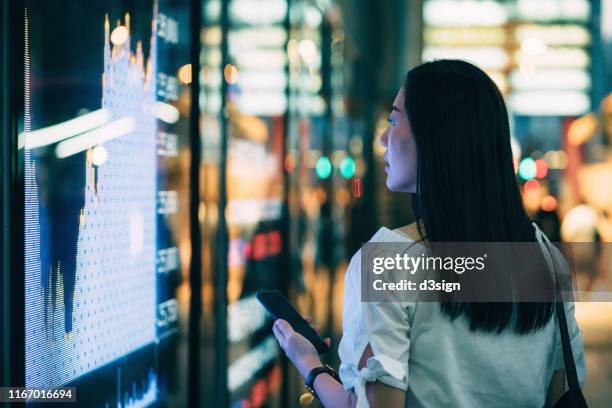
{"x":391,"y":121}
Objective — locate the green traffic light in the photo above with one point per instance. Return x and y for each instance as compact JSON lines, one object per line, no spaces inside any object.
{"x":347,"y":167}
{"x":527,"y":168}
{"x":323,"y":167}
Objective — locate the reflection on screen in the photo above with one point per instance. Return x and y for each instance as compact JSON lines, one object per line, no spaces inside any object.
{"x":97,"y":247}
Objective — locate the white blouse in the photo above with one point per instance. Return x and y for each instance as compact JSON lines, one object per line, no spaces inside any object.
{"x":440,"y":363}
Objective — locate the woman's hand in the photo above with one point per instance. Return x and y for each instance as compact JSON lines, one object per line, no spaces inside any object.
{"x":300,"y":351}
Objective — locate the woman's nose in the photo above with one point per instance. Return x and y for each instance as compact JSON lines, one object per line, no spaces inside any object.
{"x":384,"y":138}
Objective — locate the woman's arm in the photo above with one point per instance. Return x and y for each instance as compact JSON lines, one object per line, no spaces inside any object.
{"x":331,"y":393}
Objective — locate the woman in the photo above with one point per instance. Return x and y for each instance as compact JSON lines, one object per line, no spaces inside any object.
{"x":448,"y":141}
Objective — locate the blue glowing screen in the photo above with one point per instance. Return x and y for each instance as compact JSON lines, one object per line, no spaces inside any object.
{"x":102,"y":132}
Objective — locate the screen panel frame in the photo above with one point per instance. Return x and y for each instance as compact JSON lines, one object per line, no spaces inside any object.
{"x":12,"y":186}
{"x":12,"y":102}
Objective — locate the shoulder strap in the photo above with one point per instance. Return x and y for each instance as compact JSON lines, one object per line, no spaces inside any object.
{"x":568,"y":355}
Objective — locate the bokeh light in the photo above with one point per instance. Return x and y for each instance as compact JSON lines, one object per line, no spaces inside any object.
{"x":323,"y":167}
{"x":527,"y":169}
{"x":541,"y":168}
{"x":347,"y":167}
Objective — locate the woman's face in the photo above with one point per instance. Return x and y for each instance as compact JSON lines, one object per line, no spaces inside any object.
{"x":401,"y":155}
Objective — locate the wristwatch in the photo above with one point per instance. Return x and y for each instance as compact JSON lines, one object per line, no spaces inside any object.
{"x":312,"y":374}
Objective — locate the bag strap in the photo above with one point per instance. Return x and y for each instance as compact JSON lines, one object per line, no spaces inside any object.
{"x":568,"y":355}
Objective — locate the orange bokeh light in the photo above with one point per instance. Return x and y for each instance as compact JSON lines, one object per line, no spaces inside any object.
{"x":532,"y":185}
{"x":541,"y":168}
{"x":549,"y":203}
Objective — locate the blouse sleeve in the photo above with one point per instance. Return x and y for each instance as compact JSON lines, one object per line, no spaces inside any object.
{"x":385,"y":326}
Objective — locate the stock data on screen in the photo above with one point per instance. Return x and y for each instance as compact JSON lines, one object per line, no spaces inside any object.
{"x":101,"y":129}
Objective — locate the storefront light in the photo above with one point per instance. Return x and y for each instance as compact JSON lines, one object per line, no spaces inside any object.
{"x":262,"y":80}
{"x":485,"y":57}
{"x":549,"y":103}
{"x":313,"y":17}
{"x":558,"y":57}
{"x":213,"y":9}
{"x":211,"y":35}
{"x":308,"y":51}
{"x":261,"y":58}
{"x":553,"y":10}
{"x":258,"y":12}
{"x":465,"y":36}
{"x":464,"y":13}
{"x":533,"y":46}
{"x":263,"y":103}
{"x":273,"y":37}
{"x":555,"y":34}
{"x":553,"y":79}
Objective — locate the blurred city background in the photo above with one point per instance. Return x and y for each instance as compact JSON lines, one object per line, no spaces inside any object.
{"x":292,"y":97}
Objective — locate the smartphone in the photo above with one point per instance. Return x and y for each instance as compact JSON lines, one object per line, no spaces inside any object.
{"x":279,"y":307}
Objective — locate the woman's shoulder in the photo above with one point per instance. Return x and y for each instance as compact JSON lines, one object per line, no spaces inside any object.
{"x":411,"y":231}
{"x":407,"y":235}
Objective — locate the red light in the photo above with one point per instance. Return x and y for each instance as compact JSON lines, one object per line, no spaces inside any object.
{"x":541,"y":168}
{"x":531,"y":185}
{"x":259,"y":247}
{"x":247,"y":250}
{"x":259,"y":393}
{"x":549,"y":203}
{"x":263,"y":245}
{"x":274,"y":380}
{"x":274,"y":242}
{"x":356,"y":187}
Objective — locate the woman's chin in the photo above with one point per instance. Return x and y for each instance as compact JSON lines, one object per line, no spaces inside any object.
{"x":390,"y":185}
{"x":398,"y":187}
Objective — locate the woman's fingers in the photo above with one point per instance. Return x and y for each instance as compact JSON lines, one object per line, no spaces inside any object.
{"x":315,"y":326}
{"x":327,"y":341}
{"x":280,"y":336}
{"x":284,"y":327}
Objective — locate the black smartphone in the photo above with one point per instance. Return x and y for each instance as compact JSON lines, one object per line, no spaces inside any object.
{"x":279,"y":307}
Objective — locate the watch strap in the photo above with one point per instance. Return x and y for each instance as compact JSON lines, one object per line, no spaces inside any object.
{"x":312,"y":375}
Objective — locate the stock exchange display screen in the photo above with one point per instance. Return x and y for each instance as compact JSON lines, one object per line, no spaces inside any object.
{"x":103,"y":126}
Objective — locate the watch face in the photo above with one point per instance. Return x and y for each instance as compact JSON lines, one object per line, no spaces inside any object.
{"x":306,"y":398}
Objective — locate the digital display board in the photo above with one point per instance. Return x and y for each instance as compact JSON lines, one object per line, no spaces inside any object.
{"x":104,"y":123}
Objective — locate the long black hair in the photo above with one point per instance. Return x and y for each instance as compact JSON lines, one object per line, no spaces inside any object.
{"x":466,"y":185}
